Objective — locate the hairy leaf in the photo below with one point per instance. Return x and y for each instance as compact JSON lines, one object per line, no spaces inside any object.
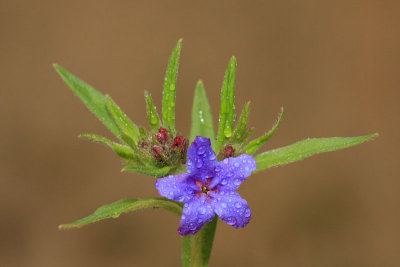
{"x":122,"y":150}
{"x":114,"y":210}
{"x":202,"y":121}
{"x":168,"y":101}
{"x":149,"y":170}
{"x":253,"y":146}
{"x":227,"y":112}
{"x":93,"y":99}
{"x":152,"y":114}
{"x":241,"y":125}
{"x":306,"y":148}
{"x":126,"y":126}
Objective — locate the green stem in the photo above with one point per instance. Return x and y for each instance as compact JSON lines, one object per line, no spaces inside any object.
{"x":201,"y":244}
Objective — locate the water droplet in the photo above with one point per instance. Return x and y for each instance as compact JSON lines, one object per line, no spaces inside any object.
{"x":212,"y":156}
{"x":183,"y":217}
{"x":226,"y":161}
{"x":153,"y":120}
{"x":229,"y":174}
{"x":236,"y":164}
{"x":199,"y":163}
{"x":247,"y":168}
{"x":172,"y":87}
{"x":237,"y":181}
{"x":189,"y":163}
{"x":247,"y":213}
{"x":217,"y":169}
{"x":199,"y":221}
{"x":192,"y":226}
{"x":201,"y":150}
{"x":223,"y":204}
{"x":202,"y":210}
{"x":231,"y":220}
{"x":238,"y":205}
{"x":224,"y":182}
{"x":228,"y":131}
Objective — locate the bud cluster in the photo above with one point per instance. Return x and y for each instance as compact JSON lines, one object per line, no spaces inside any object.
{"x":165,"y":148}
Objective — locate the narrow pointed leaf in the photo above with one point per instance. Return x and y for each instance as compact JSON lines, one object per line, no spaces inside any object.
{"x":306,"y":148}
{"x":114,"y":210}
{"x":152,"y":114}
{"x":241,"y":125}
{"x":126,"y":126}
{"x":168,"y":102}
{"x":149,"y":170}
{"x":93,"y":99}
{"x":122,"y":150}
{"x":253,"y":146}
{"x":227,"y":111}
{"x":202,"y":121}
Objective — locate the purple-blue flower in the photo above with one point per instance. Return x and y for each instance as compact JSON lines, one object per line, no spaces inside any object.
{"x":208,"y":188}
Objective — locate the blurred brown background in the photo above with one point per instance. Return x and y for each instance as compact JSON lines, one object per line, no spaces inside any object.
{"x":333,"y":65}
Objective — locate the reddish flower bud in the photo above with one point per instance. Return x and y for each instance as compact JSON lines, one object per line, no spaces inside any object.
{"x":180,"y":143}
{"x":144,"y":145}
{"x":162,"y":135}
{"x":228,"y":152}
{"x":158,"y":151}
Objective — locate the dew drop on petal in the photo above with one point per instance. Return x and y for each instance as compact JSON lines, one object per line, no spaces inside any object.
{"x":226,"y":161}
{"x":223,"y":204}
{"x":236,"y":181}
{"x":238,"y":205}
{"x":183,"y":217}
{"x":236,"y":164}
{"x":192,"y":226}
{"x":199,"y":221}
{"x":229,"y":174}
{"x":199,"y":163}
{"x":212,"y":156}
{"x":202,"y":210}
{"x":231,"y":220}
{"x":247,"y":213}
{"x":189,"y":162}
{"x":201,"y":150}
{"x":224,"y":182}
{"x":218,"y":168}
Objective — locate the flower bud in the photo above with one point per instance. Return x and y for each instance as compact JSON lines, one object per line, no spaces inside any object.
{"x":179,"y":143}
{"x":158,"y":152}
{"x":162,"y":135}
{"x":229,"y":152}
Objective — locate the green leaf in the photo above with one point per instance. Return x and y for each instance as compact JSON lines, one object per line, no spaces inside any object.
{"x":152,"y":114}
{"x":306,"y":148}
{"x":168,"y":101}
{"x":241,"y":125}
{"x":93,"y":99}
{"x":149,"y":170}
{"x":253,"y":146}
{"x":186,"y":250}
{"x":126,"y":126}
{"x":227,"y":112}
{"x":114,"y":210}
{"x":202,"y":121}
{"x":122,"y":151}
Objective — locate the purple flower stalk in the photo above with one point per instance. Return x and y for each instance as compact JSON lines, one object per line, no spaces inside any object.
{"x":208,"y":188}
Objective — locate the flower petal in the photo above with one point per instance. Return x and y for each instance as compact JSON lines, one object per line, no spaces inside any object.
{"x":231,"y":172}
{"x":201,"y":159}
{"x":195,"y":214}
{"x":179,"y":187}
{"x":232,"y":209}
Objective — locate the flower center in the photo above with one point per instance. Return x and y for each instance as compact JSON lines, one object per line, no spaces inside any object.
{"x":204,"y":188}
